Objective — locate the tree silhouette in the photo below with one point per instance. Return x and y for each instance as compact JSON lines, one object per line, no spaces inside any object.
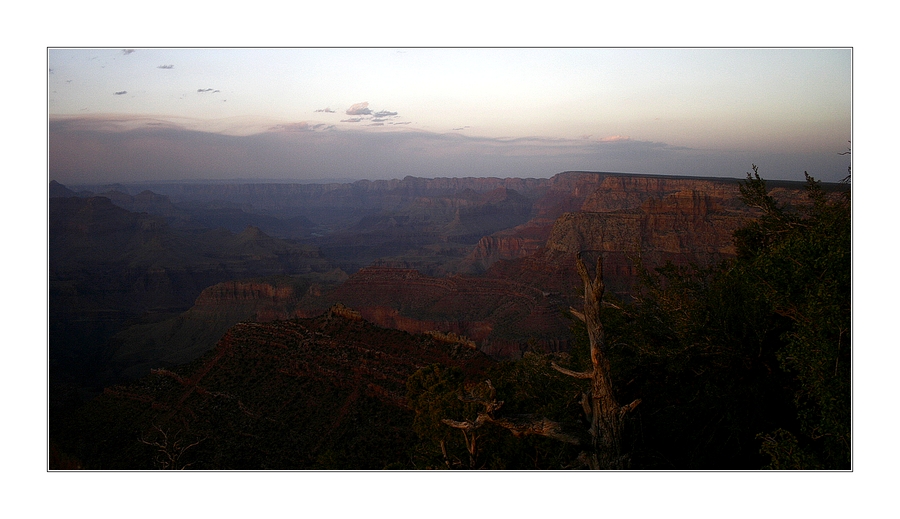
{"x":602,"y":410}
{"x":170,"y":448}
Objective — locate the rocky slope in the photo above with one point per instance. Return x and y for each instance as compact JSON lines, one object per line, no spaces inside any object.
{"x":186,"y":336}
{"x":501,"y":317}
{"x":299,"y":394}
{"x":108,"y":266}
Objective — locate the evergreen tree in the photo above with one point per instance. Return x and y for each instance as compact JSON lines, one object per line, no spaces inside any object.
{"x":802,"y":265}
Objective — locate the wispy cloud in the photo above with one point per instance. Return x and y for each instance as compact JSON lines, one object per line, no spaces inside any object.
{"x":359,"y":109}
{"x":363,"y":112}
{"x":205,"y":90}
{"x":301,"y":127}
{"x":120,"y":93}
{"x":614,"y":138}
{"x":166,"y":67}
{"x":127,"y":51}
{"x":325,"y":110}
{"x":292,"y":127}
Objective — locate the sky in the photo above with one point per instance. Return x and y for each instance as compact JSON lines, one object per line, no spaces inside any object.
{"x":149,"y":114}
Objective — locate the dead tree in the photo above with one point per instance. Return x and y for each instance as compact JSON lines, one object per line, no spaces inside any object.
{"x":482,"y":394}
{"x":169,"y":449}
{"x":603,"y":412}
{"x":518,"y":425}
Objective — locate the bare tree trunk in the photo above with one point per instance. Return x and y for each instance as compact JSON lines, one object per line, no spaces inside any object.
{"x":602,"y":409}
{"x":470,"y":433}
{"x":170,"y":449}
{"x":606,"y":416}
{"x":519,"y":425}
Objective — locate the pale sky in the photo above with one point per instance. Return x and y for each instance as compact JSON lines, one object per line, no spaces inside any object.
{"x":308,"y":113}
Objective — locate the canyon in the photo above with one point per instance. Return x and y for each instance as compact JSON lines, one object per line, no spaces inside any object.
{"x":152,"y":275}
{"x":276,"y":325}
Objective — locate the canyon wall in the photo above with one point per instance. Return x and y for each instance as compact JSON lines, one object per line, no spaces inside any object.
{"x":512,"y":289}
{"x":488,"y":259}
{"x":501,"y":317}
{"x":626,"y":218}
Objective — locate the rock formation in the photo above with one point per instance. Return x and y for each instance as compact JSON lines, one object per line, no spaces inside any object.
{"x":328,"y":393}
{"x":501,"y":317}
{"x":485,"y":258}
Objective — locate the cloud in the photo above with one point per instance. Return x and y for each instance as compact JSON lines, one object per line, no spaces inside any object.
{"x":359,"y":109}
{"x":203,"y":90}
{"x":461,"y":128}
{"x":292,"y":127}
{"x":326,"y":110}
{"x":384,"y":113}
{"x":301,"y":127}
{"x":376,"y":124}
{"x":614,"y":138}
{"x":352,"y":120}
{"x":166,"y":67}
{"x":127,"y":51}
{"x":120,"y":93}
{"x":88,"y":149}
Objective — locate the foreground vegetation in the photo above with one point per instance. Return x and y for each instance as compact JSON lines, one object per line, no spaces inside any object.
{"x":744,"y":365}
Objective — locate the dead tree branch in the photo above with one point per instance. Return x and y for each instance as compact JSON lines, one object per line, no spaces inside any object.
{"x":602,"y":410}
{"x":600,"y":406}
{"x":170,"y":449}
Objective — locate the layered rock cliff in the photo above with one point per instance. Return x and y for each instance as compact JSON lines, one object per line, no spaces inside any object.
{"x":501,"y":317}
{"x":184,"y":337}
{"x":515,"y":239}
{"x":628,"y":218}
{"x":661,"y":217}
{"x":109,"y":268}
{"x":530,"y":277}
